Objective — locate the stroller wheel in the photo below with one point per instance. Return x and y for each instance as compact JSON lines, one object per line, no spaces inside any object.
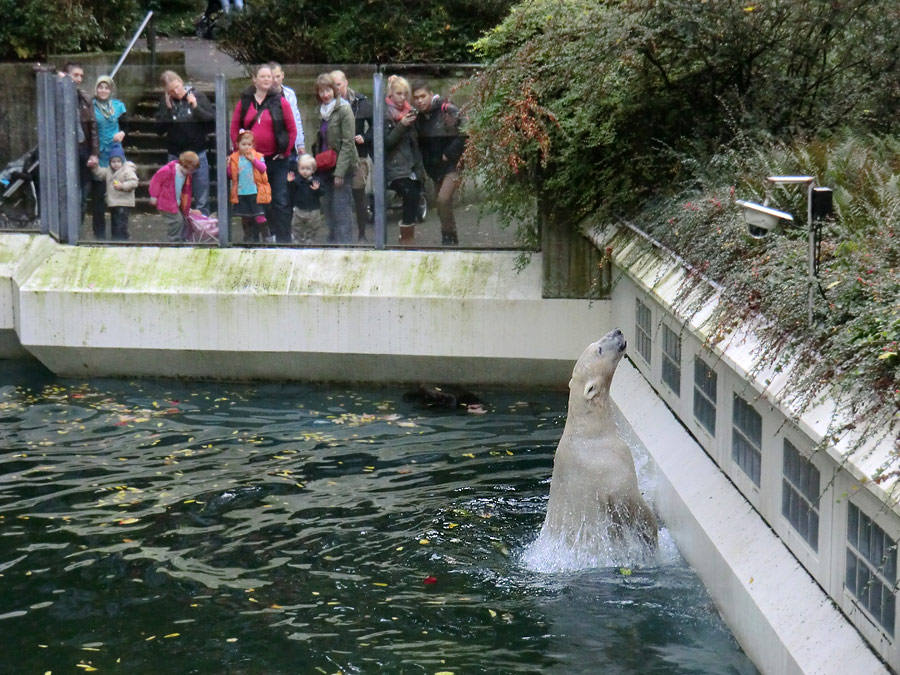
{"x":423,"y":208}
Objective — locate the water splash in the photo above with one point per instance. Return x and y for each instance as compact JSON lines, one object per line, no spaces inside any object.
{"x":593,"y":545}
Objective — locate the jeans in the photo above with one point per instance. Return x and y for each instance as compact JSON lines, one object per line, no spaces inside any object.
{"x":278,"y":212}
{"x":98,"y":208}
{"x":446,"y":187}
{"x":200,"y":183}
{"x":410,"y":191}
{"x":337,"y":204}
{"x":119,"y":222}
{"x":85,"y":176}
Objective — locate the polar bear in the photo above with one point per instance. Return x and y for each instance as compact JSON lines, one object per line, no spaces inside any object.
{"x":594,"y":497}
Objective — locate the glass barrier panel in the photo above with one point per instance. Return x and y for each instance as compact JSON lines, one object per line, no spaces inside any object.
{"x":445,"y":204}
{"x":19,"y":180}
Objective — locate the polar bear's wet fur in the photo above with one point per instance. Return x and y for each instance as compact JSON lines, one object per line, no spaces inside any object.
{"x":596,"y":510}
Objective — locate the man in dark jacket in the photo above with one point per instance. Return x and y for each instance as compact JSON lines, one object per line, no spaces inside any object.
{"x":88,"y":140}
{"x":186,"y":116}
{"x":362,"y":112}
{"x":441,"y":145}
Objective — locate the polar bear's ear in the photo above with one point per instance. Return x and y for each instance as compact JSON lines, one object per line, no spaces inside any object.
{"x":591,"y":389}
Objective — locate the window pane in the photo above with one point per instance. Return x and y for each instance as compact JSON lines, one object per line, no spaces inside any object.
{"x":851,"y":573}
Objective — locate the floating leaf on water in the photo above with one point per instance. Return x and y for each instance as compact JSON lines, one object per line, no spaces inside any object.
{"x":429,"y":580}
{"x":469,"y":455}
{"x":424,"y":542}
{"x":625,"y":572}
{"x":128,"y":521}
{"x":492,"y":613}
{"x":379,"y":583}
{"x":231,"y":640}
{"x":171,"y":635}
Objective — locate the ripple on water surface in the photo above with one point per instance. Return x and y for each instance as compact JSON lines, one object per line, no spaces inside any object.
{"x":195,"y":528}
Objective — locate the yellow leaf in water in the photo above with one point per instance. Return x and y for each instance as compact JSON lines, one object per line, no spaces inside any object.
{"x":379,"y":583}
{"x":171,"y":635}
{"x":424,"y":542}
{"x":469,"y":455}
{"x":492,"y":613}
{"x":128,"y":521}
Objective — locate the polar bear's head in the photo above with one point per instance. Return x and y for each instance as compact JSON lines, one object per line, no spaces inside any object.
{"x":595,"y":367}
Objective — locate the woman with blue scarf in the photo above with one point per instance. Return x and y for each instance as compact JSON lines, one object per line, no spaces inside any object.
{"x":110,"y":115}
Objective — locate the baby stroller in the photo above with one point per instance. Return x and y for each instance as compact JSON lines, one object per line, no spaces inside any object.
{"x":19,"y":197}
{"x":202,"y":229}
{"x":205,"y":26}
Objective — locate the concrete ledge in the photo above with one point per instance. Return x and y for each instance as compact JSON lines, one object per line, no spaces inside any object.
{"x":783,"y":620}
{"x":311,"y":314}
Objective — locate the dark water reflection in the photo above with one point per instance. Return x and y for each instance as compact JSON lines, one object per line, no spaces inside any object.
{"x":159,"y":527}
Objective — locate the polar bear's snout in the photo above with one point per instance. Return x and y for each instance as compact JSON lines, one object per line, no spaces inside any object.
{"x":623,"y":343}
{"x":613,"y":340}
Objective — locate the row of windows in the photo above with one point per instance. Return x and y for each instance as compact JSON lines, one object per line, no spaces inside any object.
{"x":871,"y":571}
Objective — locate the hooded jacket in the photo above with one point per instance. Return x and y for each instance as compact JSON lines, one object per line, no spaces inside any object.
{"x":125,"y":177}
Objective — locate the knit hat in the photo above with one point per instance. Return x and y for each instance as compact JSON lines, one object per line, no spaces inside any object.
{"x":117,"y":150}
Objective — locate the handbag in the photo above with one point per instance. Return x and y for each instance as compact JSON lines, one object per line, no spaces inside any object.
{"x":326,"y":160}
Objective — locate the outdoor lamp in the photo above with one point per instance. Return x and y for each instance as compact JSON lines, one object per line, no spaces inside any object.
{"x":761,"y":219}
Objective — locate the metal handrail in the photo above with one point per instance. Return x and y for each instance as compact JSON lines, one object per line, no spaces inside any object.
{"x":134,"y":39}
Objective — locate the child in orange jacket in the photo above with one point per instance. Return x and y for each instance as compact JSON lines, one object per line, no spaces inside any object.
{"x":250,"y":189}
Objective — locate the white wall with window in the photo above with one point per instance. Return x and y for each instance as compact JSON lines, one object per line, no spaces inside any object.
{"x":836,"y":523}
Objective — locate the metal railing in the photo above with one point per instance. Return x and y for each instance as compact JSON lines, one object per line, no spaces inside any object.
{"x":151,"y":43}
{"x":62,"y":203}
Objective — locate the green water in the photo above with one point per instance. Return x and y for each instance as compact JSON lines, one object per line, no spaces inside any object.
{"x":159,"y":527}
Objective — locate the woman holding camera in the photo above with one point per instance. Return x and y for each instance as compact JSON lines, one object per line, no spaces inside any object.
{"x":403,"y":171}
{"x":186,"y":116}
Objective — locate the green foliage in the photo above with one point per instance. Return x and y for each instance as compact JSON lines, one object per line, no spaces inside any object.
{"x":851,"y":351}
{"x":174,"y":17}
{"x":35,"y":28}
{"x":631,"y":86}
{"x":367,"y":31}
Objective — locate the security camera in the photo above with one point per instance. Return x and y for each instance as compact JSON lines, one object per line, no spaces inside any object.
{"x":760,"y":219}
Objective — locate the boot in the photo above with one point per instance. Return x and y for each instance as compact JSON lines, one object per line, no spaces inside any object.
{"x":362,"y":212}
{"x":407,"y":234}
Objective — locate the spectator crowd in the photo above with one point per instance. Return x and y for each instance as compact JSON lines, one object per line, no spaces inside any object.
{"x":285,"y":185}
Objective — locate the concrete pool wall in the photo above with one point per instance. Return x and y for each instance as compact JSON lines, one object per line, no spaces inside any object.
{"x":469,"y":317}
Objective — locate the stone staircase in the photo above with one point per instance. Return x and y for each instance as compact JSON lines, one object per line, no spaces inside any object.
{"x":147,"y":149}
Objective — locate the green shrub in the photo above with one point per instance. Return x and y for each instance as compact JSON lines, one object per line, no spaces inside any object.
{"x":374,"y":31}
{"x":851,"y":349}
{"x":35,"y":28}
{"x":619,"y":91}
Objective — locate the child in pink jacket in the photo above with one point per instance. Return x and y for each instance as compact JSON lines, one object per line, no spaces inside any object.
{"x":170,"y":192}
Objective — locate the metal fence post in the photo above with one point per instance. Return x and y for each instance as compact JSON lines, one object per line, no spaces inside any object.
{"x":67,"y":116}
{"x":221,"y":158}
{"x":378,"y":159}
{"x":48,"y":178}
